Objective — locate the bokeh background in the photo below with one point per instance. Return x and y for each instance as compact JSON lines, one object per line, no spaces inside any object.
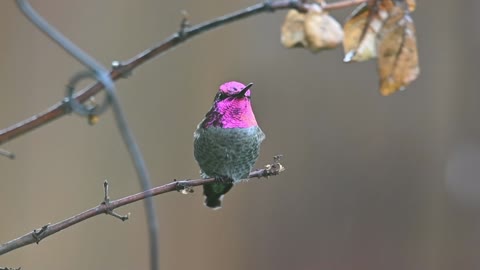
{"x":372,"y":182}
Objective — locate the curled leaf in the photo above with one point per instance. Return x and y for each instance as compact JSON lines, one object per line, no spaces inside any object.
{"x":293,"y":34}
{"x":314,"y":30}
{"x":384,"y":29}
{"x":397,"y":52}
{"x":360,"y":30}
{"x":322,"y":30}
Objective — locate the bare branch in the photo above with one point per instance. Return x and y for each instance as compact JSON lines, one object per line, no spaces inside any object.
{"x":121,"y":69}
{"x":37,"y":235}
{"x":342,"y":4}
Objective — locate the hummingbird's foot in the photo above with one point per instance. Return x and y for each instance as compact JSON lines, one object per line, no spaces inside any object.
{"x":224,"y":179}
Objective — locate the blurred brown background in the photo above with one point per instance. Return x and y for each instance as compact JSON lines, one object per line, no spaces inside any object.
{"x":371,"y":183}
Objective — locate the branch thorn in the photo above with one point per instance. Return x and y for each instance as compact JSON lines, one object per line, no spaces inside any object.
{"x":268,"y":5}
{"x":184,"y":23}
{"x":121,"y":68}
{"x":37,"y":233}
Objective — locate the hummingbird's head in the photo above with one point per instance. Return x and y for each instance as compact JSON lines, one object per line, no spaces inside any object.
{"x":231,"y":107}
{"x":233,"y":90}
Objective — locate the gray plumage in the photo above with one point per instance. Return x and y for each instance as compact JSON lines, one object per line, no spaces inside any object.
{"x":226,"y":153}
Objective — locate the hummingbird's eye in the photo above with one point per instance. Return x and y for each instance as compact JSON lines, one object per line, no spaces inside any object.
{"x":222,"y":96}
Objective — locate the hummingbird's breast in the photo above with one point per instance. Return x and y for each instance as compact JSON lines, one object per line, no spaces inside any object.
{"x":227,"y":152}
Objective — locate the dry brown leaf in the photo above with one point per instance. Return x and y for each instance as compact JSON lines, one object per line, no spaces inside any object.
{"x":359,"y":43}
{"x":411,"y":5}
{"x":315,"y":30}
{"x":386,"y":4}
{"x":397,"y":52}
{"x":293,"y":34}
{"x":389,"y":34}
{"x":390,"y":4}
{"x":322,"y":30}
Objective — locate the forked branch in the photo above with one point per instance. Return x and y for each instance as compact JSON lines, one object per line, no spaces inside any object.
{"x":107,"y":206}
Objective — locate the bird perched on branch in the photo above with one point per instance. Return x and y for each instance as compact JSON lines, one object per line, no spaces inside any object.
{"x":227,"y":141}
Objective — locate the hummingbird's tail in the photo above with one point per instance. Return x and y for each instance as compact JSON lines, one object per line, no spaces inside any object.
{"x":214,"y":193}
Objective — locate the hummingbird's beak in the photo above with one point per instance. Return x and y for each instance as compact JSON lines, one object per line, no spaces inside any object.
{"x":244,"y":90}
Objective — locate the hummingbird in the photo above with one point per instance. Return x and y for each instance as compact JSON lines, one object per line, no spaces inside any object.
{"x":227,"y":141}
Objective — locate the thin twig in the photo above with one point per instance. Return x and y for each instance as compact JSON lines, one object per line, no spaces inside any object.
{"x":7,"y":154}
{"x":342,"y":4}
{"x":102,"y":75}
{"x":126,"y":67}
{"x":47,"y":230}
{"x":106,"y":202}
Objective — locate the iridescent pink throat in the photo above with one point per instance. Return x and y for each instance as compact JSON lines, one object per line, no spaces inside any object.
{"x":231,"y":113}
